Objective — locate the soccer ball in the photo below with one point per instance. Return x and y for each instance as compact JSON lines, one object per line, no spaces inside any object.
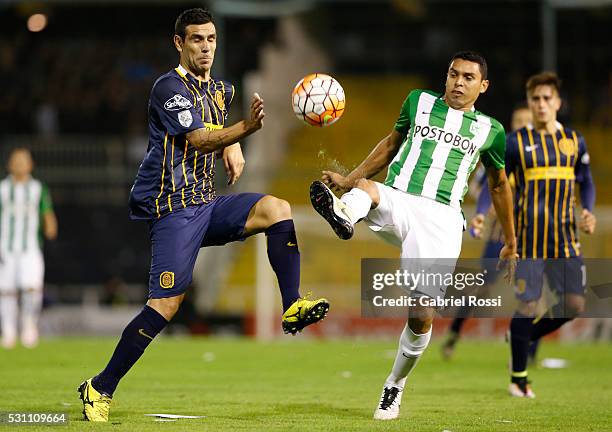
{"x":318,"y":100}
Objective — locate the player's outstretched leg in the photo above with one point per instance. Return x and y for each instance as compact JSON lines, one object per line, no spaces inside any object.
{"x":412,"y":344}
{"x":342,"y":213}
{"x":273,"y":216}
{"x":96,"y":393}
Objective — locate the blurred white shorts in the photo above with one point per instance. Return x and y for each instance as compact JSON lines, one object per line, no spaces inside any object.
{"x":21,"y":271}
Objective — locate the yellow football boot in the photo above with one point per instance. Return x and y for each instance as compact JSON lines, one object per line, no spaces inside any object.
{"x":96,"y":405}
{"x":304,"y":312}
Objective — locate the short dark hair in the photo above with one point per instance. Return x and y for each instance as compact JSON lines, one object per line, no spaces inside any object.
{"x":191,"y":16}
{"x":472,"y":56}
{"x":543,"y":78}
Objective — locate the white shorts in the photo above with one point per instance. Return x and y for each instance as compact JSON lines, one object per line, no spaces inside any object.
{"x":21,"y":271}
{"x":422,"y":227}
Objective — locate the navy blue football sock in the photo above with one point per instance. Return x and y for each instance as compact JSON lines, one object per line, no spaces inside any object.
{"x":457,"y":324}
{"x":546,"y":326}
{"x":533,"y":349}
{"x":284,"y":257}
{"x":558,"y":316}
{"x":134,"y":340}
{"x":520,"y":337}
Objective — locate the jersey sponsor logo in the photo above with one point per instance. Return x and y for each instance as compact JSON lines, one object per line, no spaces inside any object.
{"x":220,"y":99}
{"x":185,"y":118}
{"x":440,"y":135}
{"x":531,"y":147}
{"x":166,"y":280}
{"x":566,"y":146}
{"x":176,"y":103}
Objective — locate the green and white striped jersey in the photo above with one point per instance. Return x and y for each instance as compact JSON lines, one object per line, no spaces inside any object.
{"x":442,"y":147}
{"x":22,"y":206}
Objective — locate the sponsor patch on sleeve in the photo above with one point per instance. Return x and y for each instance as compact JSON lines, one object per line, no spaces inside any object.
{"x":177,"y":102}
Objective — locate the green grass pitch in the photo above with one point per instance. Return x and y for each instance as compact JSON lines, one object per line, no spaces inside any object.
{"x":305,"y":385}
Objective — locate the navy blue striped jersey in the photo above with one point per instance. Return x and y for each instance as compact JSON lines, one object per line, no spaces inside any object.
{"x":173,"y":173}
{"x":546,"y":168}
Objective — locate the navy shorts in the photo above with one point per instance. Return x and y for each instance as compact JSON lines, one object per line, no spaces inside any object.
{"x":177,"y":237}
{"x":565,"y":276}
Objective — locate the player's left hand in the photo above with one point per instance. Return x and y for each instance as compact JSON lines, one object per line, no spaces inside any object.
{"x":587,"y":222}
{"x":335,"y":181}
{"x":508,"y":257}
{"x":234,"y":162}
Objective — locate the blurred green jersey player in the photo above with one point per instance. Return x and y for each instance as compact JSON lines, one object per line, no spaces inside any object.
{"x":26,"y":215}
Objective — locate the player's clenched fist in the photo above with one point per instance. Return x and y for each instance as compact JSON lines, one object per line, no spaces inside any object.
{"x":587,"y":222}
{"x":477,"y":226}
{"x":336,"y":181}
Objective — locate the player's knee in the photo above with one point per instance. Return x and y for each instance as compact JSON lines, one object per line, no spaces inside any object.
{"x":166,"y":307}
{"x":528,"y":308}
{"x":365,"y":184}
{"x":370,"y":188}
{"x":574,"y":307}
{"x":278,"y":210}
{"x":421,"y":319}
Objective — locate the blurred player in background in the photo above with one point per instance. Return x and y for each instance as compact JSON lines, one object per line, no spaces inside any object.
{"x":547,"y":160}
{"x":430,"y":153}
{"x":174,"y":192}
{"x":521,"y":117}
{"x":26,"y":213}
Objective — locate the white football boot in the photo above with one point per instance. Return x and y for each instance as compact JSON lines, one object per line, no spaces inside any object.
{"x":389,"y":405}
{"x":516,"y":390}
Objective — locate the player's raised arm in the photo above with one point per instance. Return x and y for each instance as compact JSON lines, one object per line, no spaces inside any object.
{"x":382,"y":154}
{"x":208,"y":141}
{"x":379,"y":157}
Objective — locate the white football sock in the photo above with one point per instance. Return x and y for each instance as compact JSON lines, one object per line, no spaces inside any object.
{"x":359,"y":202}
{"x":411,"y":346}
{"x":31,"y":304}
{"x":8,"y":314}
